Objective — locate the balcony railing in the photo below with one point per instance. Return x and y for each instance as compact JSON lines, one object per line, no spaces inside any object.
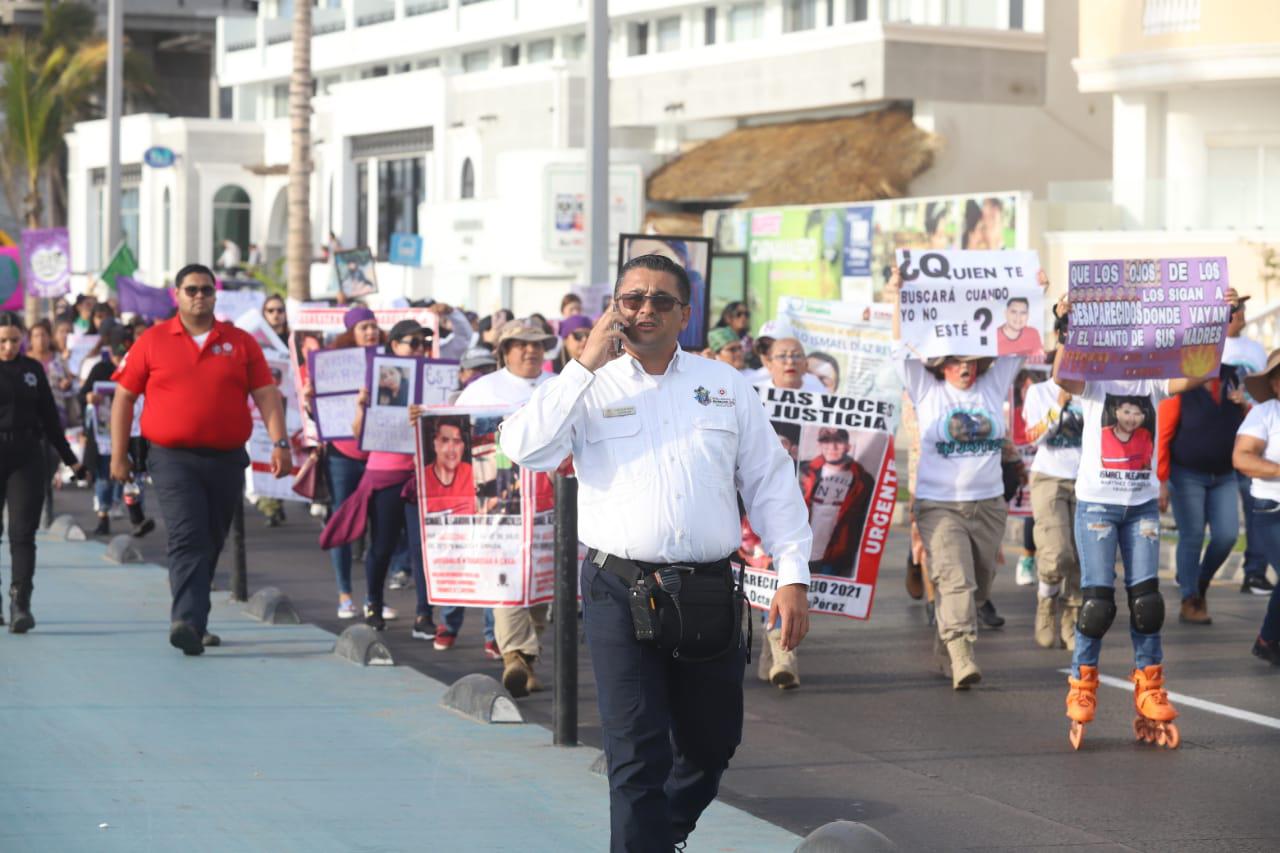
{"x":370,"y":12}
{"x":422,"y":7}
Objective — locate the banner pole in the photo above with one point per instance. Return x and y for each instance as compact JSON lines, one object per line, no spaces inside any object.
{"x":564,"y":704}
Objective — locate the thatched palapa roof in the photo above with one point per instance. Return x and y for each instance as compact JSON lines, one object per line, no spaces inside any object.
{"x":862,"y":158}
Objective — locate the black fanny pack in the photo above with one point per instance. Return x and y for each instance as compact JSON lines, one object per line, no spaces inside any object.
{"x":692,"y":611}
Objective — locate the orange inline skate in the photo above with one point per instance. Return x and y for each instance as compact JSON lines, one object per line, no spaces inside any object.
{"x":1082,"y":701}
{"x":1154,"y":723}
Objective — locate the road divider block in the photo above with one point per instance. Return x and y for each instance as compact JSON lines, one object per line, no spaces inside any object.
{"x":123,"y":549}
{"x":64,"y":527}
{"x":846,"y":836}
{"x":362,"y":645}
{"x":482,"y":698}
{"x":272,"y":606}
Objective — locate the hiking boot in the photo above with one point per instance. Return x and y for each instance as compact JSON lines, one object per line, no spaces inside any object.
{"x":915,"y":579}
{"x":516,"y":673}
{"x":964,"y":670}
{"x":183,"y":635}
{"x":1046,"y":626}
{"x":988,"y":616}
{"x":1194,"y":611}
{"x":534,"y":685}
{"x":20,"y":619}
{"x":1070,"y":612}
{"x":784,"y":673}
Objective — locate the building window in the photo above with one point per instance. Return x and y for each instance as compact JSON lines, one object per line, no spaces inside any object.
{"x":166,"y":225}
{"x":709,"y":25}
{"x":637,"y":38}
{"x":1236,"y":187}
{"x":373,"y":71}
{"x":231,"y":211}
{"x":280,"y":100}
{"x":129,"y":219}
{"x":226,"y":101}
{"x":475,"y":60}
{"x":362,"y":204}
{"x":575,"y":46}
{"x":541,"y":50}
{"x":746,"y":21}
{"x":400,"y":190}
{"x":467,"y":186}
{"x":1016,"y":14}
{"x":433,"y":62}
{"x":669,"y":34}
{"x":1170,"y":16}
{"x":422,"y":7}
{"x":855,"y":10}
{"x":800,"y":15}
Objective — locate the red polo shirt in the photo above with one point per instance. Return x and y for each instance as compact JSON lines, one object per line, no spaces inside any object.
{"x":195,"y":397}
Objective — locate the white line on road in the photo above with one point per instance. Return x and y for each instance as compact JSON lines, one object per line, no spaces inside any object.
{"x":1193,"y":702}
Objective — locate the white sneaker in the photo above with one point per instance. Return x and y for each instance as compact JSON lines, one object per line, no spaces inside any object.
{"x":399,"y":580}
{"x":388,"y":613}
{"x":346,"y":609}
{"x":1026,"y":573}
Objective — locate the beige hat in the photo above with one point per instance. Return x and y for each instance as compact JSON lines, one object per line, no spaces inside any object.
{"x":525,"y":330}
{"x":1259,"y":384}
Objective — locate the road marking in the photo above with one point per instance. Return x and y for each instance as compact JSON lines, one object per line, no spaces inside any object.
{"x":1193,"y":702}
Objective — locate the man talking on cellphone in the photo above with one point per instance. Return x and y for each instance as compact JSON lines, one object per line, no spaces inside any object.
{"x":663,"y":442}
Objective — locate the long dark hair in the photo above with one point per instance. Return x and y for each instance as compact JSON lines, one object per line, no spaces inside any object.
{"x":10,"y":318}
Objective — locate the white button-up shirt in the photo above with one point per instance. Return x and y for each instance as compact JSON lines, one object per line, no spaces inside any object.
{"x":661,"y":460}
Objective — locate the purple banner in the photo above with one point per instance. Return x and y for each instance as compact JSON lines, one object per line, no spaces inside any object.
{"x":46,"y":262}
{"x":153,"y":303}
{"x":1146,"y":319}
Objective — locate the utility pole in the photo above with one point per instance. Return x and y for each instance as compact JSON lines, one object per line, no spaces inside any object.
{"x":597,"y":206}
{"x":115,"y":98}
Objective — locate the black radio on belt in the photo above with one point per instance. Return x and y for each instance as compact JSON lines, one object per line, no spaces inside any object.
{"x":696,"y":615}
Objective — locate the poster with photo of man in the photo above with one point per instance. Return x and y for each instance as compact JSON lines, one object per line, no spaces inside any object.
{"x":487,"y":527}
{"x":356,"y":272}
{"x":692,"y":253}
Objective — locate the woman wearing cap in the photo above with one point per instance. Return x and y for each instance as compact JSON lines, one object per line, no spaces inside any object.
{"x":574,"y":330}
{"x":959,"y":499}
{"x":723,"y":344}
{"x":736,"y":316}
{"x":1257,"y":455}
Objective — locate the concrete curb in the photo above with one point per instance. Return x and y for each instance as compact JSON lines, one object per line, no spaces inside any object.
{"x":361,"y":645}
{"x":846,"y":836}
{"x":272,"y":606}
{"x":123,"y":549}
{"x":64,"y":527}
{"x":483,"y":699}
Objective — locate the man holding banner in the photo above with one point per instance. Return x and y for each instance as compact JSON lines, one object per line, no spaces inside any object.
{"x":663,"y":443}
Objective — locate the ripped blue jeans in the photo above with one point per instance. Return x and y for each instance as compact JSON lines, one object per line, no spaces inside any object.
{"x":1135,"y":530}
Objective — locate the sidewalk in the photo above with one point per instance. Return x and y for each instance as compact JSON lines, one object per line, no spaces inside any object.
{"x":115,"y":741}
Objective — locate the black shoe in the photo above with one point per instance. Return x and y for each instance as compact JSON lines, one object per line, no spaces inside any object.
{"x":210,"y":640}
{"x":424,"y":629}
{"x":1257,"y":584}
{"x":988,"y":616}
{"x":140,"y":530}
{"x":183,"y":635}
{"x":275,"y":519}
{"x":20,"y":619}
{"x":373,"y":617}
{"x":1269,"y":652}
{"x":104,"y":526}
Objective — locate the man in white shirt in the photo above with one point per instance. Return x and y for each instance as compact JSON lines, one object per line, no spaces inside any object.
{"x":663,"y":443}
{"x":522,"y":347}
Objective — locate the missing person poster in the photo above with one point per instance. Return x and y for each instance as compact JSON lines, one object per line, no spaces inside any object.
{"x":356,"y":272}
{"x":488,"y":532}
{"x":98,"y":418}
{"x":261,"y":483}
{"x":1146,"y":319}
{"x":694,"y":255}
{"x":394,"y":383}
{"x":986,"y":303}
{"x":843,"y":450}
{"x":337,"y":376}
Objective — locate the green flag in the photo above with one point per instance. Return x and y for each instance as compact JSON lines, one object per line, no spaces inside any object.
{"x":122,"y":263}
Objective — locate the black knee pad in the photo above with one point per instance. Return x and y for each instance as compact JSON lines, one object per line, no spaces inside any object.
{"x":1146,"y":607}
{"x":1098,"y":611}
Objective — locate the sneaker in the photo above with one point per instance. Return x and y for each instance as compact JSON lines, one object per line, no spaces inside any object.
{"x":140,"y":530}
{"x":423,"y":628}
{"x":374,"y":620}
{"x":399,"y":580}
{"x":1257,"y":584}
{"x":491,"y":650}
{"x":1269,"y":652}
{"x":390,"y":614}
{"x":444,"y":640}
{"x":346,"y":608}
{"x":988,"y":616}
{"x":1026,"y":573}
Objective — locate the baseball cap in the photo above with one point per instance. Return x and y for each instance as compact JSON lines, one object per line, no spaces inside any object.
{"x":525,"y":329}
{"x":569,"y":325}
{"x":405,"y":327}
{"x":477,"y":357}
{"x":720,"y":337}
{"x":833,"y":434}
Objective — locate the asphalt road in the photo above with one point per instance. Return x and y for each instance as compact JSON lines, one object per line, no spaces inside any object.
{"x":875,"y":734}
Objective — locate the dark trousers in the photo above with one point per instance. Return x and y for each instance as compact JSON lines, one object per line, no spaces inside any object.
{"x":386,"y":526}
{"x":197,"y":492}
{"x":22,"y":491}
{"x":669,"y":727}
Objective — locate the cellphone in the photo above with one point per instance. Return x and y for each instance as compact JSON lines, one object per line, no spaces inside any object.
{"x":617,"y":327}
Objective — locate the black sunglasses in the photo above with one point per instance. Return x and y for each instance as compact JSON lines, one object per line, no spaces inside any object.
{"x":661,"y":302}
{"x":415,"y":342}
{"x":194,"y":290}
{"x":580,"y":335}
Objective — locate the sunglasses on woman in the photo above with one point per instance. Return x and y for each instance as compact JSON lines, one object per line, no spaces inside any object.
{"x":415,"y":342}
{"x":663,"y":303}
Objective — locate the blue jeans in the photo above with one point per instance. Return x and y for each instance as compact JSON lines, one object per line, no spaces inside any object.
{"x":1266,"y":526}
{"x":452,"y":616}
{"x":1100,"y":529}
{"x":106,"y":492}
{"x":1197,"y":497}
{"x":1255,"y":561}
{"x":344,"y":476}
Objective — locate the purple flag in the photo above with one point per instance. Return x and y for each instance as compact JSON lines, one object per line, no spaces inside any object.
{"x":153,"y":303}
{"x":46,"y":262}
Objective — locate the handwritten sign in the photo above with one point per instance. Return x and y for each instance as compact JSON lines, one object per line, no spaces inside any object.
{"x":1146,"y":319}
{"x":337,"y":375}
{"x":984,"y":303}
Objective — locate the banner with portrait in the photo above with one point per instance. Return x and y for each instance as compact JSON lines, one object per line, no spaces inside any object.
{"x":395,"y":382}
{"x":261,"y":483}
{"x":694,"y":255}
{"x":356,"y":272}
{"x":488,"y":527}
{"x":843,"y":450}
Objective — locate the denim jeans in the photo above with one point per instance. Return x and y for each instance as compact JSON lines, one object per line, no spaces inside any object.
{"x":1266,"y":525}
{"x":1255,"y":560}
{"x":1135,"y":530}
{"x":344,"y":475}
{"x":106,"y":492}
{"x":1197,"y":497}
{"x":452,"y":616}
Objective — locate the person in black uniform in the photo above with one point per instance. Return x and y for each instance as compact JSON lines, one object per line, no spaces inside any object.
{"x":28,"y":415}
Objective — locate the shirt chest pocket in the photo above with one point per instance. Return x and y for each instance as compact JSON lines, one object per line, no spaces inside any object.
{"x":714,"y":446}
{"x":617,"y":456}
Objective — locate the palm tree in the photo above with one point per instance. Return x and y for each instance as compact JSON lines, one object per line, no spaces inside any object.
{"x":298,"y":252}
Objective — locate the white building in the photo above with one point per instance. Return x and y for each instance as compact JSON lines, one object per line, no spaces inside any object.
{"x":462,"y":121}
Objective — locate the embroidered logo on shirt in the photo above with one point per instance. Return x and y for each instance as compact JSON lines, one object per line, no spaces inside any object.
{"x":30,"y":379}
{"x":222,"y":349}
{"x":704,"y":398}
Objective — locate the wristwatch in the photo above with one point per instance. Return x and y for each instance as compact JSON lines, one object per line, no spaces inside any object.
{"x":283,"y":444}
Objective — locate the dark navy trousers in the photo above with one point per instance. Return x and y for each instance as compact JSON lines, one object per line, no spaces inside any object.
{"x":669,"y":727}
{"x":197,"y":491}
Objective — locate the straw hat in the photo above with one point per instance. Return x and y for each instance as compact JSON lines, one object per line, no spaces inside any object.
{"x":1259,"y":384}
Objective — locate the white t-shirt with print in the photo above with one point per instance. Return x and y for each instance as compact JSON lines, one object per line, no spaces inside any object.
{"x":832,"y":488}
{"x":1058,"y":453}
{"x":1118,"y":465}
{"x":1263,"y":421}
{"x":961,"y":431}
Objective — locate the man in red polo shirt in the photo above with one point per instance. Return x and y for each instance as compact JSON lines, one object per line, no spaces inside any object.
{"x":197,"y":375}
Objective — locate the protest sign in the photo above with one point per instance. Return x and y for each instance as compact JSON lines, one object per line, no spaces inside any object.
{"x":1016,"y":429}
{"x":356,"y":272}
{"x":11,"y":290}
{"x":98,"y":418}
{"x":327,"y":321}
{"x":985,"y":303}
{"x":260,"y":330}
{"x":46,"y":262}
{"x":487,"y":525}
{"x":261,"y":483}
{"x":694,"y":255}
{"x":850,"y":345}
{"x":79,"y":348}
{"x":232,"y":304}
{"x":337,"y":375}
{"x":843,"y":449}
{"x":394,"y":382}
{"x":1146,"y":319}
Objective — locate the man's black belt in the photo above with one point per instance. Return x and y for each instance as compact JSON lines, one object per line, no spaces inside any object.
{"x":631,"y":570}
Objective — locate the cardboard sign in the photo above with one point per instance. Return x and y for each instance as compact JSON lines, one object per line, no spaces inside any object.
{"x":260,"y":483}
{"x":46,"y":262}
{"x":395,"y":382}
{"x":337,"y":375}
